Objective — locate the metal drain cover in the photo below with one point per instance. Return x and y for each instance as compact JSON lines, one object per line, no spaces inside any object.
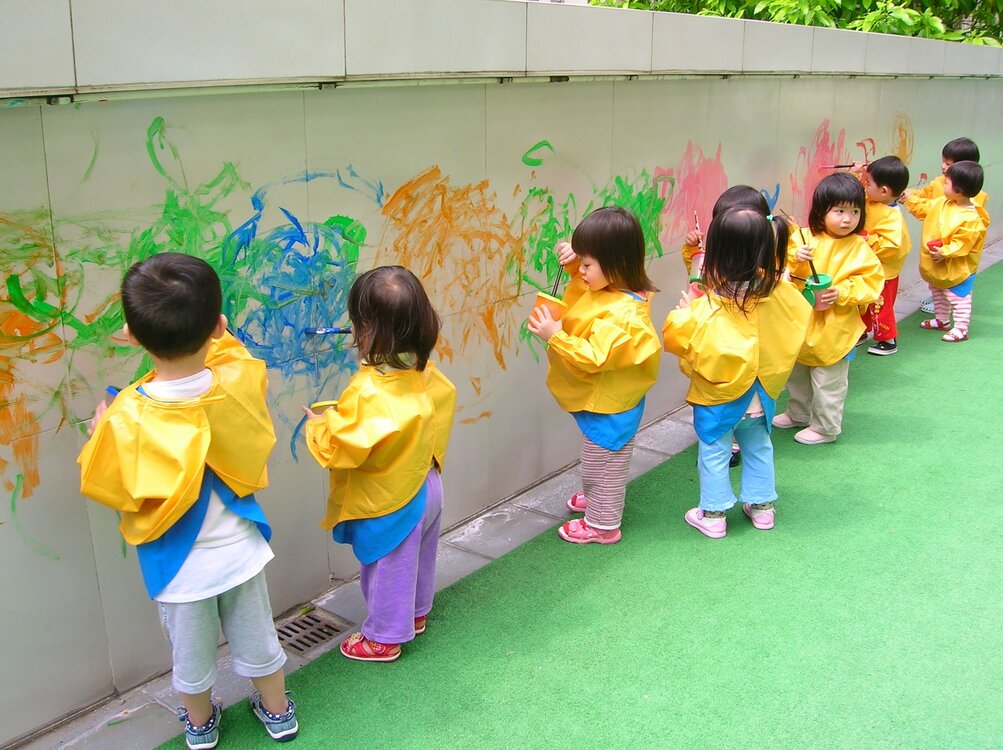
{"x":303,"y":633}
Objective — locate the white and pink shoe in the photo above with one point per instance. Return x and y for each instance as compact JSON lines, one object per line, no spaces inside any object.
{"x":715,"y":528}
{"x":762,"y":518}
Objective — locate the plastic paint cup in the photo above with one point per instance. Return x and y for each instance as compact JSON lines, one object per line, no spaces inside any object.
{"x":813,"y":286}
{"x":320,"y":406}
{"x":557,"y":307}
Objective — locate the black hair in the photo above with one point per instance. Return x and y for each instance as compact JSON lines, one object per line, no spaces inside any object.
{"x":960,"y":149}
{"x":890,"y":172}
{"x":967,"y":178}
{"x":834,"y":190}
{"x":613,"y":237}
{"x":172,"y":303}
{"x":392,"y":318}
{"x":741,"y":195}
{"x":745,"y":254}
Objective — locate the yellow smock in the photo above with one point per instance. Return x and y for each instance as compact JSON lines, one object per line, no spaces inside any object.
{"x":380,"y":441}
{"x":887,"y":236}
{"x":963,"y":232}
{"x":146,"y":458}
{"x":917,"y":200}
{"x":723,"y":350}
{"x":856,"y":273}
{"x":606,"y":357}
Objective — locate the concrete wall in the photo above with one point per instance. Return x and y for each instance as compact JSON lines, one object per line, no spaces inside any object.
{"x":469,"y":185}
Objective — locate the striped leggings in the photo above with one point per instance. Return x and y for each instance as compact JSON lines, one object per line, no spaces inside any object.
{"x":946,"y":302}
{"x":604,"y":483}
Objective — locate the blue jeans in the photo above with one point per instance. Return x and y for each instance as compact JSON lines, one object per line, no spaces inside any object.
{"x":758,"y":478}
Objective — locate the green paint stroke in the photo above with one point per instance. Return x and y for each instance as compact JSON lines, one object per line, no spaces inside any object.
{"x":36,"y":546}
{"x":94,"y":159}
{"x":530,"y":159}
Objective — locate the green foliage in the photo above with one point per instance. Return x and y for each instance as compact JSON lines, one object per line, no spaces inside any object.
{"x":972,"y":21}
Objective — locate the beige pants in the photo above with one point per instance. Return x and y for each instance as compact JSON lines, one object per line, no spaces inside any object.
{"x":817,"y":395}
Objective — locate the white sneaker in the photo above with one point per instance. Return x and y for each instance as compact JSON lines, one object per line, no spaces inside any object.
{"x":927,"y":306}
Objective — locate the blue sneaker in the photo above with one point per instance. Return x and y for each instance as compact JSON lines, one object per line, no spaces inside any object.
{"x":206,"y":736}
{"x":281,"y":727}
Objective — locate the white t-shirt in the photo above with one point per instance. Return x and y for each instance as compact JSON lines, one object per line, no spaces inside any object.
{"x":228,"y":550}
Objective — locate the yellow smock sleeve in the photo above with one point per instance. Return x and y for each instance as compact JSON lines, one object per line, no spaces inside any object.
{"x":343,"y":437}
{"x":605,"y":346}
{"x":863,"y":283}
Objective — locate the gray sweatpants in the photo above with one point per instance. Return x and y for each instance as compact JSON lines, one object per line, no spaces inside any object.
{"x":192,"y":629}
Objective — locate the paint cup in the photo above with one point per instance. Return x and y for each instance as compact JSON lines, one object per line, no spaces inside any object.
{"x":697,"y":289}
{"x":320,"y":406}
{"x":813,"y":286}
{"x":556,"y":307}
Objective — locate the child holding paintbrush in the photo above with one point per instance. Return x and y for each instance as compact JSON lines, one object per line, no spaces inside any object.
{"x":604,"y":354}
{"x":852,"y":277}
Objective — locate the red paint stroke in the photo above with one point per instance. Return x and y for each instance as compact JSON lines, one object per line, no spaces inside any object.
{"x":459,"y":243}
{"x":695,"y":184}
{"x":869,"y":147}
{"x":809,"y":168}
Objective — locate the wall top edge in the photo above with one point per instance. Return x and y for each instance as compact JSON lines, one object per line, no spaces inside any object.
{"x":12,"y":97}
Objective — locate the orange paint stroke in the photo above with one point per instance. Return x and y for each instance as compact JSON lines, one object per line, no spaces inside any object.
{"x":902,"y":137}
{"x":477,"y":418}
{"x":808,"y":168}
{"x":459,"y":243}
{"x":698,"y":181}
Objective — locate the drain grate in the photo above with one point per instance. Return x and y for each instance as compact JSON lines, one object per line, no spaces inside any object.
{"x":303,"y":633}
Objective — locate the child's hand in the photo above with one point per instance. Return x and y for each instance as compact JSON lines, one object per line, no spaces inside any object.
{"x":693,"y":238}
{"x":565,"y":254}
{"x":826,"y":298}
{"x":685,"y":299}
{"x":906,"y":195}
{"x":310,"y":413}
{"x":858,"y":167}
{"x":804,"y":254}
{"x":937,"y":256}
{"x":99,"y":410}
{"x":542,"y":323}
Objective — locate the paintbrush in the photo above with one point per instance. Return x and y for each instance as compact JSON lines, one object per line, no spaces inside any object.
{"x":557,"y":281}
{"x":814,"y":273}
{"x":325,"y":331}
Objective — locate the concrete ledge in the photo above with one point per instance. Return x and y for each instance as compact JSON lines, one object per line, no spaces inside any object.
{"x":698,"y":44}
{"x":582,"y":39}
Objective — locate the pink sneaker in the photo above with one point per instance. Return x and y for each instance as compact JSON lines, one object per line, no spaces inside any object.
{"x":808,"y":436}
{"x":577,"y":503}
{"x":579,"y":532}
{"x":761,"y":519}
{"x":715,"y":528}
{"x":784,"y":422}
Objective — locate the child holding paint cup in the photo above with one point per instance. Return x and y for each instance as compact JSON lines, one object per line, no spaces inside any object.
{"x":603,"y":358}
{"x":385,"y":442}
{"x":842,"y":274}
{"x":738,"y":345}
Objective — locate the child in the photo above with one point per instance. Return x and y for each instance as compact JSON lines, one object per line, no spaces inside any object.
{"x":884,"y":180}
{"x":385,"y":442}
{"x":603,"y":357}
{"x":954,"y":231}
{"x":819,"y":381}
{"x":738,"y":345}
{"x":960,"y":149}
{"x":178,"y":453}
{"x":693,"y":254}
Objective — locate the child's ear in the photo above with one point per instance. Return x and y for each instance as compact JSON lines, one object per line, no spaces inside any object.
{"x":128,"y":334}
{"x":220,"y":328}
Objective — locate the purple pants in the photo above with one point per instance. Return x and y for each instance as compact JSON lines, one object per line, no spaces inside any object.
{"x":401,"y":585}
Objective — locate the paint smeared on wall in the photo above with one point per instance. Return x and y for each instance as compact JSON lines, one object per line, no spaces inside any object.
{"x":902,"y":137}
{"x":809,"y":168}
{"x":698,"y":182}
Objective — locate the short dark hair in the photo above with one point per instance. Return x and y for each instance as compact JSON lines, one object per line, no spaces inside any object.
{"x":745,"y":254}
{"x":392,"y":317}
{"x":960,"y":149}
{"x":741,"y":195}
{"x":614,"y":238}
{"x":890,"y":172}
{"x":834,"y":190}
{"x":967,"y":178}
{"x":172,"y":303}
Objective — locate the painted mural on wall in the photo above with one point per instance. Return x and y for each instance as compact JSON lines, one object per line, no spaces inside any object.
{"x":478,"y":254}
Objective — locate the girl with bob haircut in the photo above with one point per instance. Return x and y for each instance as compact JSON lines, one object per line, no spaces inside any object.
{"x":385,"y":442}
{"x":603,"y":356}
{"x":819,"y":381}
{"x":738,"y":344}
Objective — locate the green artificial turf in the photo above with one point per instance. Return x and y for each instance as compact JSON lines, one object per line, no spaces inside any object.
{"x":870,"y":617}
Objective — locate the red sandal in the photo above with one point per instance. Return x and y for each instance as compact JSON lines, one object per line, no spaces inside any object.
{"x":955,"y":335}
{"x":360,"y":648}
{"x":420,"y":624}
{"x":577,"y":503}
{"x":579,"y":532}
{"x":935,"y":324}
